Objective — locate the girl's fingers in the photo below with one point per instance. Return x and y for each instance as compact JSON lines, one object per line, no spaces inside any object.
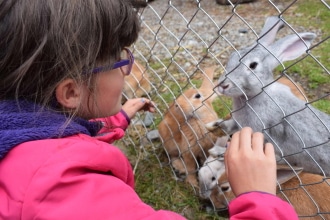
{"x":233,"y":147}
{"x":225,"y":157}
{"x":258,"y":142}
{"x":245,"y":139}
{"x":269,"y":150}
{"x":148,"y":105}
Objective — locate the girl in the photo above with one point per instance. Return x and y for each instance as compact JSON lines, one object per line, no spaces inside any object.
{"x":63,"y":63}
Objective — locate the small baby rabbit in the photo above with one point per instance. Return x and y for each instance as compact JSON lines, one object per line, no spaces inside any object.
{"x":307,"y":192}
{"x":210,"y":172}
{"x":182,"y":130}
{"x":300,"y":133}
{"x":137,"y":84}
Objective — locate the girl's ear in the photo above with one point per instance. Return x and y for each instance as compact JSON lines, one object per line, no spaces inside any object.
{"x":68,"y":94}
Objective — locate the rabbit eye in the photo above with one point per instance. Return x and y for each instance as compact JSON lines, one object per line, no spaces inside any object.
{"x":197,"y":96}
{"x":213,"y":178}
{"x":224,"y":188}
{"x":253,"y":65}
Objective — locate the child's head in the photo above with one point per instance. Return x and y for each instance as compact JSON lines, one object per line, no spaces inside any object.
{"x":45,"y":42}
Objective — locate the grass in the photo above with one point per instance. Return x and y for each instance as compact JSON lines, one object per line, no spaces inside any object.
{"x":157,"y":187}
{"x":323,"y":105}
{"x":313,"y":69}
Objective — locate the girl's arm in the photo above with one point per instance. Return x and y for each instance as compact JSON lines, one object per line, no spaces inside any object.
{"x":259,"y":205}
{"x":114,"y":126}
{"x":251,"y":171}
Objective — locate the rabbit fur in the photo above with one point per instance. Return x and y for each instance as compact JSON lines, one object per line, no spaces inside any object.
{"x":307,"y":192}
{"x":295,"y":88}
{"x":137,"y":84}
{"x":265,"y":105}
{"x":182,"y":130}
{"x":210,"y":172}
{"x":214,"y":165}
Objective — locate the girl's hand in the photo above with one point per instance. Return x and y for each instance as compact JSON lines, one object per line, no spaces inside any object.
{"x":250,"y":165}
{"x":132,"y":106}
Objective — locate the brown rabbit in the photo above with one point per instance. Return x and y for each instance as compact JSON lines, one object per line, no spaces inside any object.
{"x":137,"y":84}
{"x":295,"y":88}
{"x":182,"y":130}
{"x":308,"y":193}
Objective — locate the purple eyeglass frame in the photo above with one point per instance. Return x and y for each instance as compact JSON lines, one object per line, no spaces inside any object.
{"x":118,"y":64}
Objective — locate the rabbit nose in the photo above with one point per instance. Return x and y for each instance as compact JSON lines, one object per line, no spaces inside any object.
{"x":224,"y":86}
{"x":223,"y":83}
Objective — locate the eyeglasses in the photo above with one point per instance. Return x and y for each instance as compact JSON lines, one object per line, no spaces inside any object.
{"x":125,"y":64}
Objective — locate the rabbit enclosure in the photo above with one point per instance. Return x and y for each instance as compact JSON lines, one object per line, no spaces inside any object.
{"x":185,"y":45}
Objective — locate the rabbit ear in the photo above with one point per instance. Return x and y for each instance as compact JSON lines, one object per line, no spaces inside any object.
{"x":292,"y":46}
{"x":207,"y":85}
{"x":217,"y":151}
{"x":285,"y":173}
{"x":271,"y":27}
{"x":208,"y":78}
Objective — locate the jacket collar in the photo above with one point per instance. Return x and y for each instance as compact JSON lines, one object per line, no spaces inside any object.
{"x":22,"y":121}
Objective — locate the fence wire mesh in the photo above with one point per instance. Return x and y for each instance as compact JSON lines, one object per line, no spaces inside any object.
{"x":184,"y":64}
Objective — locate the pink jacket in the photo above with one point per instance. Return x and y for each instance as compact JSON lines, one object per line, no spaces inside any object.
{"x":81,"y":177}
{"x":78,"y":177}
{"x":258,"y":205}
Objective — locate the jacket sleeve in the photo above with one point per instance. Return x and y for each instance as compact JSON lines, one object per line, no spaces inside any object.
{"x":113,"y":127}
{"x":99,"y":197}
{"x":96,"y":183}
{"x":258,"y":205}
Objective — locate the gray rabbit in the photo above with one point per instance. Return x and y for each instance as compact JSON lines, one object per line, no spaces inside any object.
{"x":300,"y":133}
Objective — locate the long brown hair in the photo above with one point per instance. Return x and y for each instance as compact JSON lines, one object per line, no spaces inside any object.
{"x":45,"y":41}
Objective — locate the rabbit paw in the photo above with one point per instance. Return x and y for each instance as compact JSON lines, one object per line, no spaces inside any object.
{"x":222,"y":127}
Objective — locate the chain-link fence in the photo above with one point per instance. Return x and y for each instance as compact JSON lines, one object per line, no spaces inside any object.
{"x":184,"y":65}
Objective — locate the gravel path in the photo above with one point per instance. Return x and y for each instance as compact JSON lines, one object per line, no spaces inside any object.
{"x":183,"y":31}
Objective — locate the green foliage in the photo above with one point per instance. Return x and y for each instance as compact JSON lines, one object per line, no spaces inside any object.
{"x":222,"y":106}
{"x":157,"y":187}
{"x":323,"y":104}
{"x":315,"y":17}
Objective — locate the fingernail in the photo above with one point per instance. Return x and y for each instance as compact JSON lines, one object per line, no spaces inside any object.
{"x":142,"y":100}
